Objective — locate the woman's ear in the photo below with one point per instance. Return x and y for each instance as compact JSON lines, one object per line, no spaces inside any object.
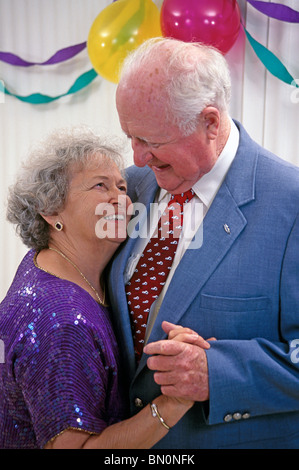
{"x":54,"y":221}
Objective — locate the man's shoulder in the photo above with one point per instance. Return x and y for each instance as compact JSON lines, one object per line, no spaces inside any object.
{"x":134,"y":171}
{"x":136,"y":176}
{"x":268,"y":165}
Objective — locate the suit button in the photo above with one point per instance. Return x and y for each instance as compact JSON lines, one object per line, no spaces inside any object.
{"x":138,"y":403}
{"x":228,"y":418}
{"x":237,"y":416}
{"x":246,"y":415}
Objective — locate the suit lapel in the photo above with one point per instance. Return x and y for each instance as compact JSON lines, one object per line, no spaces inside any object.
{"x":221,"y":227}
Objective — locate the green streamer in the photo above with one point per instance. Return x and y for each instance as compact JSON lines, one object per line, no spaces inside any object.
{"x":270,"y":61}
{"x":37,"y":98}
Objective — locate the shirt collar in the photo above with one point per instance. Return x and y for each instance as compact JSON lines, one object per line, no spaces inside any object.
{"x":207,"y":186}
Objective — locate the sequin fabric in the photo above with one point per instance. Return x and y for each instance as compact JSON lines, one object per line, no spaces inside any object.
{"x":60,"y":367}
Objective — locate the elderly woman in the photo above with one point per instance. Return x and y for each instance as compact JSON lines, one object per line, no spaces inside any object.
{"x":60,"y":385}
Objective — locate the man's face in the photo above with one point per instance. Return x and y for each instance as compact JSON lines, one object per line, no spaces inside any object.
{"x":177,"y":161}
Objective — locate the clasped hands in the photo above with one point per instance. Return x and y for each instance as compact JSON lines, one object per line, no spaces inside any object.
{"x":180,"y":363}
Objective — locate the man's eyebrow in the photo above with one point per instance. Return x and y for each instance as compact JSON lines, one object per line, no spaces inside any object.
{"x":150,"y":142}
{"x":143,"y":139}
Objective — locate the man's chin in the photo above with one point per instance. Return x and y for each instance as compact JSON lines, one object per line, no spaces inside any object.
{"x":174,"y":187}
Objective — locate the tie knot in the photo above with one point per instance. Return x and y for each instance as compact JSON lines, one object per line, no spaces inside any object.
{"x":182,"y":198}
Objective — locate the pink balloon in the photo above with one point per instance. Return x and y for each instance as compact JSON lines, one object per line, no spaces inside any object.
{"x":213,"y":22}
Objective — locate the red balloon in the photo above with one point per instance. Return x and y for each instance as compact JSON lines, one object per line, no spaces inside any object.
{"x":213,"y":22}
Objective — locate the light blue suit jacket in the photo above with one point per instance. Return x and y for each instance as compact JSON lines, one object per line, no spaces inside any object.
{"x":241,"y":286}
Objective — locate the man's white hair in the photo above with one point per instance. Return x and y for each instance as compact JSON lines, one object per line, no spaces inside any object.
{"x":195,"y":76}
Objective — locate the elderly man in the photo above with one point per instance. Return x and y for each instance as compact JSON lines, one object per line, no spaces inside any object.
{"x":234,"y":273}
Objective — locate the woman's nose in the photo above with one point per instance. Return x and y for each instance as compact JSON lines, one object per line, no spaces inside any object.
{"x":115,"y":193}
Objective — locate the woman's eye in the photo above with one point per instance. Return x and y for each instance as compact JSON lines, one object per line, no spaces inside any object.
{"x":123,"y":188}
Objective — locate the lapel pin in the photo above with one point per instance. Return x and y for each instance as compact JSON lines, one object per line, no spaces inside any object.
{"x":226,"y":228}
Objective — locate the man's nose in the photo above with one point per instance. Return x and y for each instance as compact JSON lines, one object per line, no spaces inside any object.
{"x":142,"y":154}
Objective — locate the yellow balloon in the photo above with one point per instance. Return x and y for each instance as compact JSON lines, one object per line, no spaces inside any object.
{"x":117,"y":30}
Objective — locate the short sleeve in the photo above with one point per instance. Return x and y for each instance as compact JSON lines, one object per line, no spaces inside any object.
{"x":64,"y":371}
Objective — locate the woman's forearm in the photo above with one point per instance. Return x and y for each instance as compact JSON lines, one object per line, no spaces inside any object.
{"x":142,"y":431}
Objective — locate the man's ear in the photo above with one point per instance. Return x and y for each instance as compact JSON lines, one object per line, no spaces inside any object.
{"x":211,"y":119}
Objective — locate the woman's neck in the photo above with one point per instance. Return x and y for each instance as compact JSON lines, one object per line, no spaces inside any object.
{"x":78,"y":264}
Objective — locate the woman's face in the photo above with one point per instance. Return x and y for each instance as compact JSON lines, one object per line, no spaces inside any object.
{"x":97,"y":201}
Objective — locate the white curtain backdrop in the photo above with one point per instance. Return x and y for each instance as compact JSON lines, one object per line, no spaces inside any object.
{"x":36,"y":29}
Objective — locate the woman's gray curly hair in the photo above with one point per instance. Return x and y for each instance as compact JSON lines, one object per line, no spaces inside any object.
{"x":42,"y":184}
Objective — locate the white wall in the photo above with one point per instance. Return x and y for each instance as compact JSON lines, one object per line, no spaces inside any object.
{"x":35,"y":29}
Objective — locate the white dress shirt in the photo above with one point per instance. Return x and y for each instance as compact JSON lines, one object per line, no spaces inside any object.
{"x":194,"y":212}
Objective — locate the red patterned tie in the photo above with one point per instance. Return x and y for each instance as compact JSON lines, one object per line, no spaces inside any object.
{"x":154,"y":266}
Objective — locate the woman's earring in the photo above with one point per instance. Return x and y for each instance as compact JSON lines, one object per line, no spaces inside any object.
{"x":59,"y":226}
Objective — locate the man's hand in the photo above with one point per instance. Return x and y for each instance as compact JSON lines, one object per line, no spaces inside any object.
{"x":180,"y":363}
{"x":181,"y":333}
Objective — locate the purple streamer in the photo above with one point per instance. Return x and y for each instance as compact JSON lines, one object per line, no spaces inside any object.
{"x":276,"y":10}
{"x":59,"y":56}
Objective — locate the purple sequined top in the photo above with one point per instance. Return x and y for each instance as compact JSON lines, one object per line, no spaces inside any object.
{"x":60,"y":366}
